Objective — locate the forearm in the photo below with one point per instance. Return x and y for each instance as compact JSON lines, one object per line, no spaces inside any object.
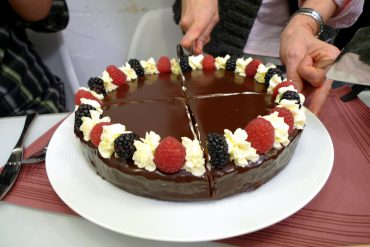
{"x":31,"y":10}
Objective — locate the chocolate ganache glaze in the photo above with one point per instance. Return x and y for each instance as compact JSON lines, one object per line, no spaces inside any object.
{"x":207,"y":102}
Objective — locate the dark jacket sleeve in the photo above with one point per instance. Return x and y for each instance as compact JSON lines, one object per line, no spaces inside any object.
{"x":56,"y":20}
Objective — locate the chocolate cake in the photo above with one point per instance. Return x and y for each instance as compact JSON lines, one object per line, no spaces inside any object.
{"x":231,"y":126}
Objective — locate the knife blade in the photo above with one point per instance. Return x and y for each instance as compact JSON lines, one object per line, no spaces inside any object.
{"x":10,"y":172}
{"x":353,"y":63}
{"x":180,"y":53}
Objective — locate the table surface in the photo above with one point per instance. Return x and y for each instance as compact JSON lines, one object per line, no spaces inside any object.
{"x":40,"y":228}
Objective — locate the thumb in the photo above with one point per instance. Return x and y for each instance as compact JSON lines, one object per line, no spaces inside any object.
{"x":291,"y":71}
{"x":319,"y":97}
{"x":310,"y":73}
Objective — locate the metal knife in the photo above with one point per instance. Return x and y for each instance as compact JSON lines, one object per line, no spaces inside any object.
{"x":180,"y":53}
{"x":353,"y":63}
{"x":10,"y":172}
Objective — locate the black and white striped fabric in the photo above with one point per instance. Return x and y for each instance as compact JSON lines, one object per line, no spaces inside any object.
{"x":26,"y":84}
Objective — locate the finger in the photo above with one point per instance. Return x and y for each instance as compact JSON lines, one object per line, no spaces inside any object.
{"x":312,"y":74}
{"x":291,"y":68}
{"x":203,"y":39}
{"x":319,"y":97}
{"x":193,"y":33}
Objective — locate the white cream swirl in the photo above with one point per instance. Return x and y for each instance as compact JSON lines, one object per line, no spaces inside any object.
{"x":220,"y":62}
{"x":299,"y":114}
{"x":281,"y":129}
{"x":194,"y":160}
{"x":274,"y":81}
{"x":282,"y":90}
{"x":150,"y":66}
{"x":239,"y":148}
{"x":145,"y":148}
{"x":89,"y":122}
{"x":129,"y":72}
{"x":195,"y":62}
{"x":260,"y":74}
{"x":96,"y":95}
{"x":108,"y":82}
{"x":175,"y":66}
{"x":241,"y":64}
{"x":91,"y":102}
{"x":110,"y":133}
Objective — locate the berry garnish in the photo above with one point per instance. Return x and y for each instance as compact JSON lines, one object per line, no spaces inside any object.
{"x":97,"y":85}
{"x":231,"y":63}
{"x":287,"y":115}
{"x":169,"y":155}
{"x":82,"y":111}
{"x":280,"y":85}
{"x":184,"y":64}
{"x":117,"y":75}
{"x":251,"y":68}
{"x":270,"y":73}
{"x":292,"y":95}
{"x":261,"y":134}
{"x":208,"y":63}
{"x":217,"y":150}
{"x":96,"y":132}
{"x":124,"y":145}
{"x":135,"y":64}
{"x":86,"y":95}
{"x":164,"y":65}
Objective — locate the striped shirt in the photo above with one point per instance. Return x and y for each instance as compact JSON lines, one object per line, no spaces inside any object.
{"x":26,"y":84}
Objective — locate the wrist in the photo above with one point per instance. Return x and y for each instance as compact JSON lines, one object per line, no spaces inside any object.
{"x":303,"y":23}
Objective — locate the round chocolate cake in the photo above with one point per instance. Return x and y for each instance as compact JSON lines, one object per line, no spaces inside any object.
{"x":197,"y":128}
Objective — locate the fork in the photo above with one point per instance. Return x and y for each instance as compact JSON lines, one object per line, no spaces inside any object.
{"x":10,"y":172}
{"x":35,"y":158}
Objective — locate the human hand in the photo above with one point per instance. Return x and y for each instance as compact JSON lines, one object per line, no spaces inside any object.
{"x":198,"y":19}
{"x":302,"y":52}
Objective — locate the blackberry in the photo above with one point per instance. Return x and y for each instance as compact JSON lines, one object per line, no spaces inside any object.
{"x":135,"y":64}
{"x":97,"y":85}
{"x":270,"y":73}
{"x":184,"y":64}
{"x":217,"y":150}
{"x":292,"y":95}
{"x":124,"y":145}
{"x":82,"y":111}
{"x":231,"y":63}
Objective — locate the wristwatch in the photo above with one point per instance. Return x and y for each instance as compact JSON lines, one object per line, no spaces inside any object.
{"x":315,"y":15}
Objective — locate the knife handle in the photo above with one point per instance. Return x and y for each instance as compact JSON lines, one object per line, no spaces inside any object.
{"x":27,"y":124}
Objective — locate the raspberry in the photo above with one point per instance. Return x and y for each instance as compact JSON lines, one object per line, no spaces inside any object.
{"x":97,"y":85}
{"x":164,"y":65}
{"x":217,"y":150}
{"x":184,"y":64}
{"x":261,"y":134}
{"x":169,"y":156}
{"x":231,"y":63}
{"x":270,"y":73}
{"x":124,"y":145}
{"x":118,"y":77}
{"x":135,"y":64}
{"x":287,"y":115}
{"x":82,"y":111}
{"x":280,"y":85}
{"x":96,"y":132}
{"x":86,"y":95}
{"x":208,"y":63}
{"x":252,"y":67}
{"x":292,"y":95}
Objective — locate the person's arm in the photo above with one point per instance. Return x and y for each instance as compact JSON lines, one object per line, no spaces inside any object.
{"x":198,"y":18}
{"x":300,"y":50}
{"x":31,"y":10}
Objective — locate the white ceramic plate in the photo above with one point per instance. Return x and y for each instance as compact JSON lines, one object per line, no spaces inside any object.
{"x":104,"y":204}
